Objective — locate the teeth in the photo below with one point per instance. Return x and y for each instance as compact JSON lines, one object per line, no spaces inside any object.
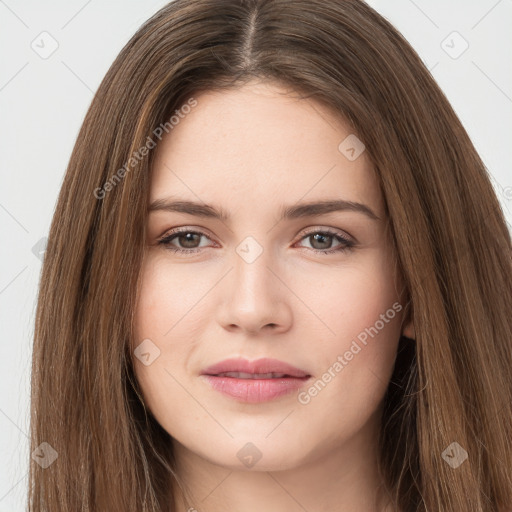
{"x":243,"y":375}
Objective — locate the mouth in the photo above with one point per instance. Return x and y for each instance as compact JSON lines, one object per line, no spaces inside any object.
{"x":254,"y":382}
{"x":243,"y":375}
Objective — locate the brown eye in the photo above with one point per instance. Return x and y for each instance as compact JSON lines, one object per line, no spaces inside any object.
{"x":321,"y":242}
{"x":187,"y":241}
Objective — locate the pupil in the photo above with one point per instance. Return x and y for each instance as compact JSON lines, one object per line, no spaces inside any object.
{"x":318,"y":237}
{"x":189,"y":242}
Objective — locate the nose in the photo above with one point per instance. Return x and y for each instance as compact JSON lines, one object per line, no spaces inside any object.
{"x":255,"y":298}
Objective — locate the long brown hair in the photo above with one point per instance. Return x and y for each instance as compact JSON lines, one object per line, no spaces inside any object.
{"x":453,"y":384}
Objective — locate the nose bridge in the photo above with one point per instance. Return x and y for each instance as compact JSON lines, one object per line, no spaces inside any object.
{"x":254,"y":297}
{"x":253,"y":284}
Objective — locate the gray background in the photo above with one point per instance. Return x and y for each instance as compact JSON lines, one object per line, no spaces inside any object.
{"x":43,"y":102}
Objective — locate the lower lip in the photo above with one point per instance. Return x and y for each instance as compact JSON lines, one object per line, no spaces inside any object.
{"x":255,"y":390}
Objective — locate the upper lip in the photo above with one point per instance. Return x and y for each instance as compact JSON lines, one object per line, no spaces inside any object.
{"x":258,"y":366}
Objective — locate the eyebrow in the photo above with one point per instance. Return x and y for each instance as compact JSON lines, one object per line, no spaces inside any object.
{"x":287,"y":212}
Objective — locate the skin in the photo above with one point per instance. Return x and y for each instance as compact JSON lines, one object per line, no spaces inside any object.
{"x":251,"y":150}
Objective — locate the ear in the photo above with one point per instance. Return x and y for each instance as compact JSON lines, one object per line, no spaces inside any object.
{"x":408,"y":330}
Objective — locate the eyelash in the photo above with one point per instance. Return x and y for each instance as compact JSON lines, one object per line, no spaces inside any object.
{"x":168,"y":238}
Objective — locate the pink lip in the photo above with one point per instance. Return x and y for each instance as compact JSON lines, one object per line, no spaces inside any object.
{"x":255,"y":390}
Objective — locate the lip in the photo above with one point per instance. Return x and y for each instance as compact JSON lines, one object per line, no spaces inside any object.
{"x":255,"y":389}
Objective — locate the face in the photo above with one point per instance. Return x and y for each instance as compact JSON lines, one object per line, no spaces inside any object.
{"x":312,"y":288}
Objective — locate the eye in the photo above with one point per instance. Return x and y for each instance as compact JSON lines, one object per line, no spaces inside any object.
{"x":321,"y":241}
{"x":189,"y":241}
{"x":186,"y":237}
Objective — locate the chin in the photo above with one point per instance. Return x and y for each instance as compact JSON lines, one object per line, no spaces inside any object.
{"x":250,"y":453}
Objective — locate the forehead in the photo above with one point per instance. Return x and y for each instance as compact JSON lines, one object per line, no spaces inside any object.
{"x":258,"y":144}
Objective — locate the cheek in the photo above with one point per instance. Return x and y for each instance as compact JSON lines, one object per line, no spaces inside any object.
{"x":159,"y":307}
{"x":356,"y":358}
{"x":154,"y":299}
{"x":171,"y":310}
{"x":168,"y":313}
{"x":350,"y":299}
{"x":165,"y":296}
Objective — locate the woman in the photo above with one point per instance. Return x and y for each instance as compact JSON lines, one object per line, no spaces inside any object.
{"x":198,"y":347}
